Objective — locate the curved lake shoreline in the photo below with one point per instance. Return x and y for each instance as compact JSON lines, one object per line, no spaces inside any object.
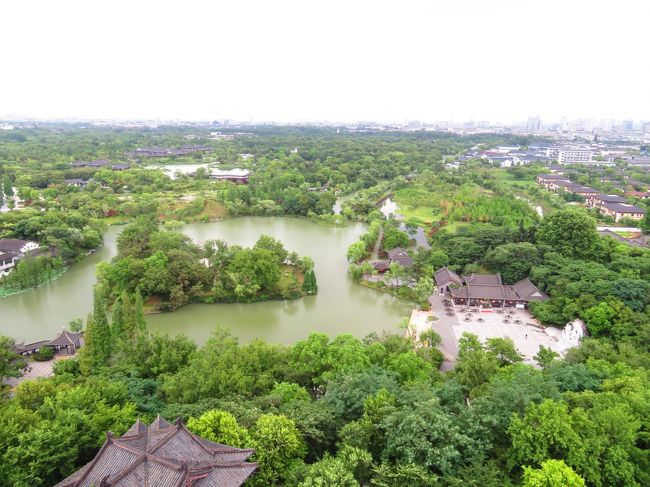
{"x":340,"y":306}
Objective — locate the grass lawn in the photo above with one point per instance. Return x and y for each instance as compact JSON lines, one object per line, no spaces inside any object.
{"x":214,"y":210}
{"x":186,"y":211}
{"x":519,"y":184}
{"x":452,"y":227}
{"x":524,"y":189}
{"x":422,"y":214}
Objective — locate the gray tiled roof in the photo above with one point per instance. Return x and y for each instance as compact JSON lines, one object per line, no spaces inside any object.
{"x":444,"y":275}
{"x":483,"y":279}
{"x":66,"y":338}
{"x":525,"y":289}
{"x":12,"y":244}
{"x":609,"y":198}
{"x":400,"y":256}
{"x":489,"y":286}
{"x":623,"y":208}
{"x":162,"y":455}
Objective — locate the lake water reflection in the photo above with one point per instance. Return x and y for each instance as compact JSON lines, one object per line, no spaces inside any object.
{"x":340,"y":306}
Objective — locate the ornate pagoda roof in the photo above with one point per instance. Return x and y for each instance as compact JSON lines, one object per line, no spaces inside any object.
{"x":163,"y":454}
{"x":65,"y":338}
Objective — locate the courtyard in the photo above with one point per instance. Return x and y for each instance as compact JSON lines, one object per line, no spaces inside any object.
{"x":450,"y":322}
{"x":516,"y":324}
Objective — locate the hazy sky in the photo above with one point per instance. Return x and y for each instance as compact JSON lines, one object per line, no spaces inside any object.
{"x":325,"y":60}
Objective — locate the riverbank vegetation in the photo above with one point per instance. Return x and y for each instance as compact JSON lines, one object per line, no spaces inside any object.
{"x":63,"y":237}
{"x":70,"y":234}
{"x":30,"y":273}
{"x":166,"y":267}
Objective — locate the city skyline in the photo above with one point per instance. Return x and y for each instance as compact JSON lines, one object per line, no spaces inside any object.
{"x":539,"y":122}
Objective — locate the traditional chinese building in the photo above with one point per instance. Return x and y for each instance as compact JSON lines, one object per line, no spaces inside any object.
{"x":163,"y":455}
{"x":485,"y":290}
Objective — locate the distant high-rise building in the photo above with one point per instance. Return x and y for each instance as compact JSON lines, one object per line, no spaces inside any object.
{"x":628,"y":125}
{"x":533,"y":124}
{"x":565,"y":125}
{"x":607,"y":124}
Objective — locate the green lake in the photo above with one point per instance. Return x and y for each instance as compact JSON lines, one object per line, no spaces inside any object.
{"x":340,"y":306}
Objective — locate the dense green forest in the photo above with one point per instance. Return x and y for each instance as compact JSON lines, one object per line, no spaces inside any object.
{"x":287,"y":163}
{"x":342,"y":411}
{"x":335,"y":411}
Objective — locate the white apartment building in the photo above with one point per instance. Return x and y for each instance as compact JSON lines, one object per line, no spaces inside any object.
{"x":570,"y":155}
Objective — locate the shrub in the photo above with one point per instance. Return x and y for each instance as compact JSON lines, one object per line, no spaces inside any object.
{"x":44,"y":354}
{"x":68,"y":366}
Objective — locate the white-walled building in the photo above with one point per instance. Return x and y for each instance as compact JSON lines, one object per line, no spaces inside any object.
{"x":11,"y":251}
{"x":570,"y":155}
{"x":619,"y":211}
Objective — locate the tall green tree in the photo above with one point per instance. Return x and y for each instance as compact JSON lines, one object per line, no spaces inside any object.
{"x":544,"y":432}
{"x":129,"y":316}
{"x":569,"y":231}
{"x":553,"y":473}
{"x":545,"y":356}
{"x":102,"y":333}
{"x":309,"y":285}
{"x":475,"y":365}
{"x":407,"y":474}
{"x":98,"y":345}
{"x":427,"y":436}
{"x":423,"y":289}
{"x":220,"y":426}
{"x":11,"y":364}
{"x":512,"y":260}
{"x":278,"y":445}
{"x":118,"y":322}
{"x":140,"y":321}
{"x":356,"y":251}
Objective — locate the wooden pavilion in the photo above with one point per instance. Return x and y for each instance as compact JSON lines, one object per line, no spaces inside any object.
{"x":67,"y":341}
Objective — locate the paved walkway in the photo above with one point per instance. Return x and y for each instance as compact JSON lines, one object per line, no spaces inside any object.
{"x":35,"y":370}
{"x":444,"y":326}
